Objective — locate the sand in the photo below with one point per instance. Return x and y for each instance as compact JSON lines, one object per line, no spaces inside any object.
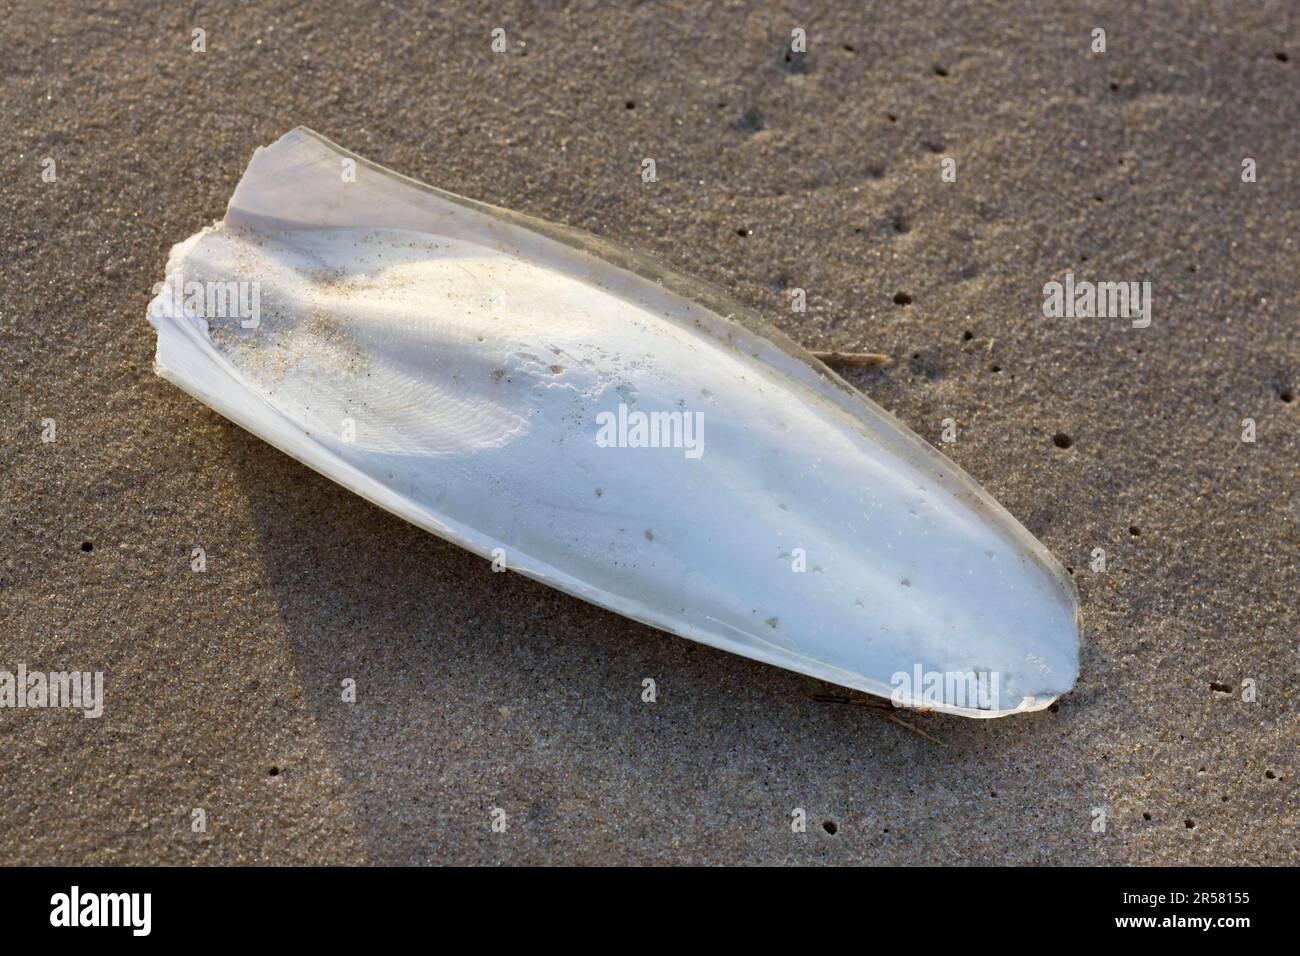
{"x":821,"y":171}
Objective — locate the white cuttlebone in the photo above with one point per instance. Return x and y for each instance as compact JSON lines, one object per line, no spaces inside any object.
{"x":448,"y":361}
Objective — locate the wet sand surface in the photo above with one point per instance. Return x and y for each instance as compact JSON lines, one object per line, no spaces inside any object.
{"x":777,"y":171}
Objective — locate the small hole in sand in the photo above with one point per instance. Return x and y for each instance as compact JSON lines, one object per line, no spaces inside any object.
{"x":1134,"y":530}
{"x":830,"y":827}
{"x":87,"y":546}
{"x":1287,"y":394}
{"x":1189,"y":824}
{"x":1281,"y":57}
{"x":967,"y":335}
{"x":1062,"y":440}
{"x":273,"y":772}
{"x":940,"y":71}
{"x":902,"y":298}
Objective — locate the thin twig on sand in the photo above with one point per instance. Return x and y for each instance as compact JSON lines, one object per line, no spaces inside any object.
{"x":882,"y":708}
{"x":837,"y":359}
